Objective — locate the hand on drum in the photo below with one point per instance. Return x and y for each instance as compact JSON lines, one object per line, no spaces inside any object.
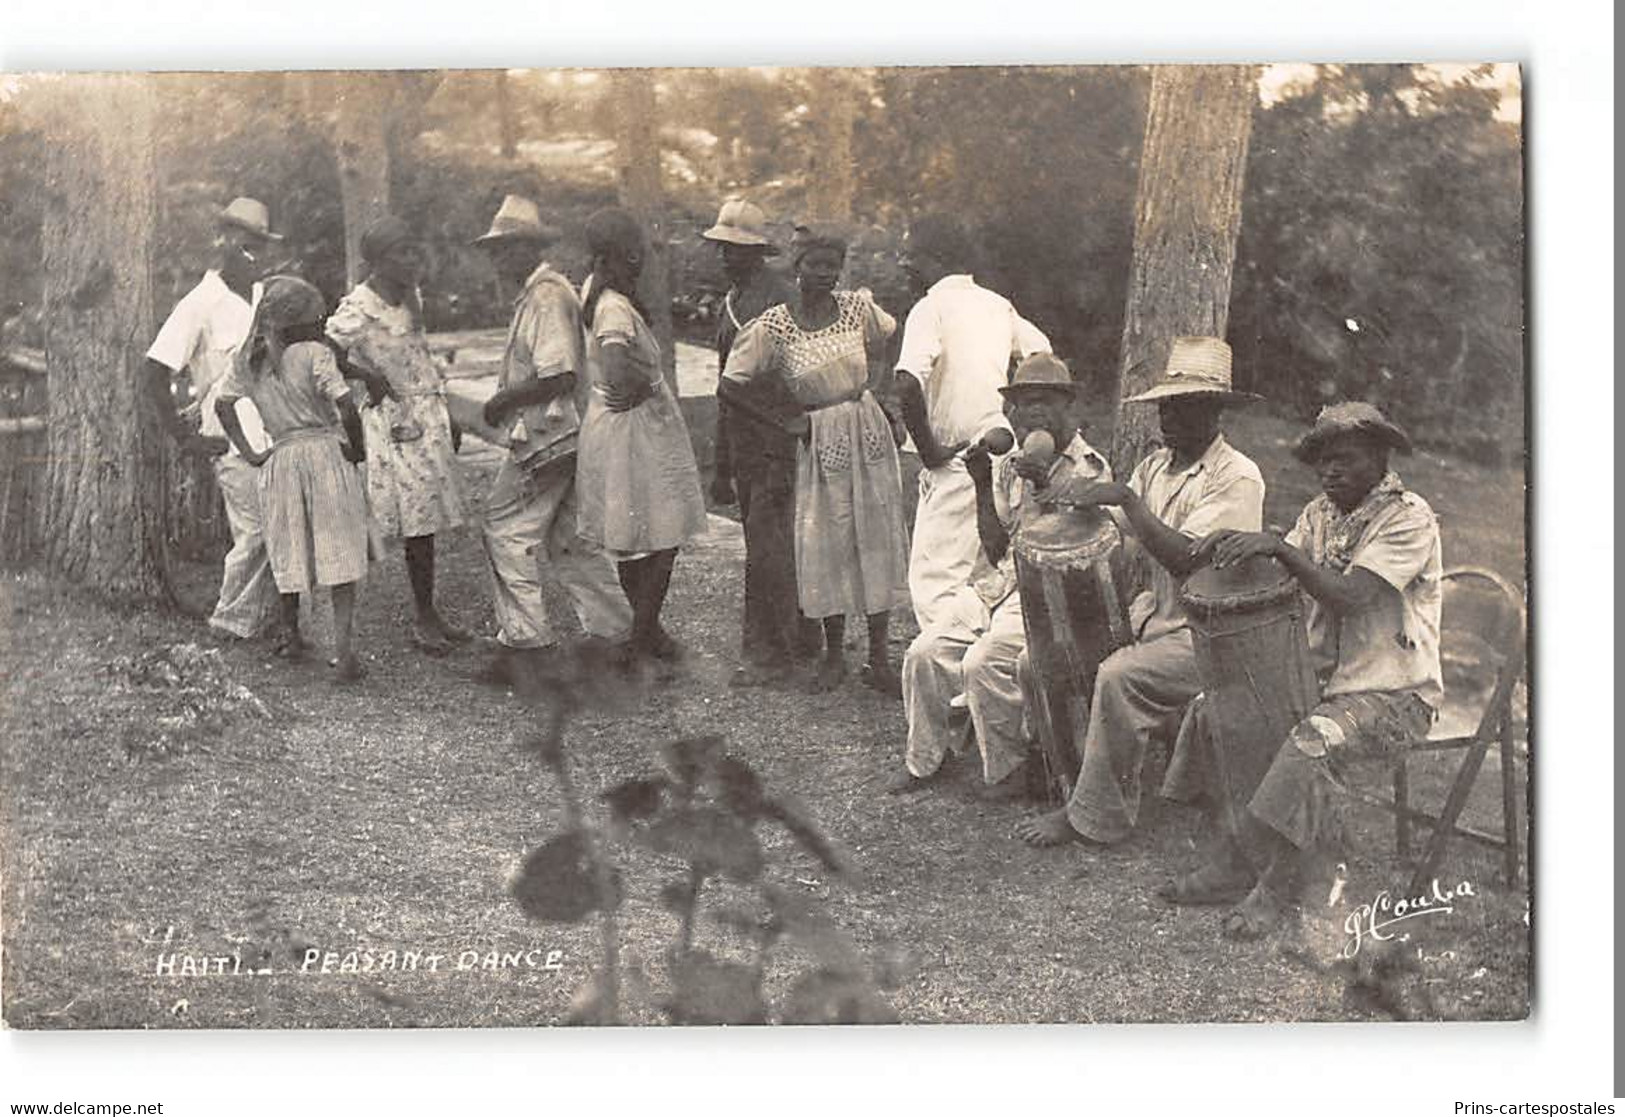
{"x":1226,"y":548}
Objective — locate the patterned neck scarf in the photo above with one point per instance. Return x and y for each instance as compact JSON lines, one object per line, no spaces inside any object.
{"x":1344,"y":531}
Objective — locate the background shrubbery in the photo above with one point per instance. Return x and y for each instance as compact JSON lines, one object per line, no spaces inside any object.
{"x":1381,"y":251}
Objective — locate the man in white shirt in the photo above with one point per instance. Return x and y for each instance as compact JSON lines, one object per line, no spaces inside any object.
{"x":201,"y":337}
{"x":958,"y":343}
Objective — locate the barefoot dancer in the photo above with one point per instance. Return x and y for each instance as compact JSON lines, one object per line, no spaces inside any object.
{"x":637,"y":484}
{"x":1366,"y":552}
{"x":412,"y":483}
{"x":314,"y":512}
{"x":851,"y":545}
{"x":1198,"y":483}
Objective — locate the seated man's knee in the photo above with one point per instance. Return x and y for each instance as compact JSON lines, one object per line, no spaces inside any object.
{"x":1315,"y":736}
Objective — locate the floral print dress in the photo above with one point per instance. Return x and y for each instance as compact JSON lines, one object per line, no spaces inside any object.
{"x":413,"y":485}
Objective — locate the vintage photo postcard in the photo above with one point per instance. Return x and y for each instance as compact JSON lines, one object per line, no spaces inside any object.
{"x":765,"y":545}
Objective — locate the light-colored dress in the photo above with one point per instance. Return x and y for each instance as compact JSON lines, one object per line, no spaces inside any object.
{"x":413,"y":486}
{"x":311,"y":503}
{"x":637,"y":484}
{"x":851,"y":543}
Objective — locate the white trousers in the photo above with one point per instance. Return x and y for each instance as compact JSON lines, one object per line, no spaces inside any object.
{"x":248,"y":594}
{"x":531,"y":522}
{"x":945,"y":543}
{"x":973,"y":653}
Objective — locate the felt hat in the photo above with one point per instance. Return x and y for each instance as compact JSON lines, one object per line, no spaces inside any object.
{"x":1197,"y":366}
{"x":1353,"y":417}
{"x":249,"y":215}
{"x":1040,"y":370}
{"x":741,"y":222}
{"x":518,"y":219}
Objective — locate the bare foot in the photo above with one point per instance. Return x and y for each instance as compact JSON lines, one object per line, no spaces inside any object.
{"x":831,"y":673}
{"x":291,"y":646}
{"x":348,"y":669}
{"x":1211,"y":884}
{"x":1048,"y":829}
{"x":1259,"y":914}
{"x":881,"y":677}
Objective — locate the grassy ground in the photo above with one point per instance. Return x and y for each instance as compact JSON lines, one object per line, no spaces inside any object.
{"x":390,"y":817}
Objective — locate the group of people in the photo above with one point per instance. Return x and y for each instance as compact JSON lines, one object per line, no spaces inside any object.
{"x":600,"y":487}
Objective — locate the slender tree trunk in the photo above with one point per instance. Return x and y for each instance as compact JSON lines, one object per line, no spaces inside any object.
{"x":637,"y":147}
{"x":507,"y":120}
{"x":1187,"y":214}
{"x":103,"y":515}
{"x":361,"y":144}
{"x":829,"y":168}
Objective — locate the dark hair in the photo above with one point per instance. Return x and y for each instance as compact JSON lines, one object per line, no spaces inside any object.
{"x":945,"y":238}
{"x":614,"y":234}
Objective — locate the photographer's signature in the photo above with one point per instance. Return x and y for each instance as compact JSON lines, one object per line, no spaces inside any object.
{"x":1374,"y":920}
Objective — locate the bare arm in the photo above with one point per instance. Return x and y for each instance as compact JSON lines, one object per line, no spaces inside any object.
{"x":911,"y":400}
{"x":532,"y":393}
{"x":226,"y":408}
{"x":994,"y":536}
{"x":1343,"y":594}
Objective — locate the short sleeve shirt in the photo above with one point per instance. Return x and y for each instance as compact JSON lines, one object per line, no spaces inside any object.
{"x":544,"y":340}
{"x":1394,"y":644}
{"x":958,"y":341}
{"x":201,"y":336}
{"x":1222,"y":489}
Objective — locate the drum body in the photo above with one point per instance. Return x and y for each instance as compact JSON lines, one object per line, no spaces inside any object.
{"x":1247,"y":624}
{"x":1069,"y":573}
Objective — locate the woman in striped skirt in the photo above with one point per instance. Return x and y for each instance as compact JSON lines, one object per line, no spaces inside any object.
{"x":314,"y":511}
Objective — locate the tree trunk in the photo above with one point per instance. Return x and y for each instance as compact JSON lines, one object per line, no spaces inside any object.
{"x":361,"y":144}
{"x":1187,"y":214}
{"x":829,"y":167}
{"x":103,"y":515}
{"x":507,"y":119}
{"x":637,"y":152}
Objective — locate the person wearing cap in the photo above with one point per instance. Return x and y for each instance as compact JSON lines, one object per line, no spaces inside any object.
{"x":958,"y":344}
{"x":200,"y":337}
{"x":851,"y":544}
{"x":413,"y":487}
{"x":1366,"y":554}
{"x":315,"y":510}
{"x":530,"y":514}
{"x":756,"y":460}
{"x":1196,"y":484}
{"x":977,"y":649}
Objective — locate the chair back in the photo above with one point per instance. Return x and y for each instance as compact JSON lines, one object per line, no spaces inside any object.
{"x":1481,"y":651}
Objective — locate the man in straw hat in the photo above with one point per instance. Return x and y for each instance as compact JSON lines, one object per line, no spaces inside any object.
{"x":976,"y":647}
{"x":530,"y":515}
{"x":1366,"y":553}
{"x":1197,"y":483}
{"x":958,"y":342}
{"x":201,"y":336}
{"x":755,"y":458}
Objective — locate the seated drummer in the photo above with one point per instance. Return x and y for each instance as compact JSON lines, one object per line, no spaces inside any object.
{"x":973,"y":646}
{"x":1195,"y":484}
{"x":1366,"y":552}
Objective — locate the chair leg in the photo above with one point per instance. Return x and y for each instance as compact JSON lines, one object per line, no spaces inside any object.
{"x":1402,"y":806}
{"x":1445,"y":828}
{"x":1509,"y":802}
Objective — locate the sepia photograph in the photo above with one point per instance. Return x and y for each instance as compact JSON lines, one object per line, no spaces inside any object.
{"x":764,"y":545}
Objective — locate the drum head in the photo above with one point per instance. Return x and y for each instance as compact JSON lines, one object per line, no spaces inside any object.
{"x":1258,"y":581}
{"x":1069,"y":535}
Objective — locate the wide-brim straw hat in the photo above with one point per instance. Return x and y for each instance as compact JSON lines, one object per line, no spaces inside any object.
{"x":1353,"y":417}
{"x":1196,"y":366}
{"x":249,"y":215}
{"x":518,"y":219}
{"x":741,"y":222}
{"x":1041,"y":371}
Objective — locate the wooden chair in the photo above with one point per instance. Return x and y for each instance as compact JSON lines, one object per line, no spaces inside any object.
{"x":1482,"y":637}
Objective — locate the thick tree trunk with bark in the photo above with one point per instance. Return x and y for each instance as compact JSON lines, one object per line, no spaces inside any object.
{"x":103,"y":514}
{"x":361,"y":145}
{"x":829,"y":170}
{"x":1187,"y":214}
{"x":637,"y":150}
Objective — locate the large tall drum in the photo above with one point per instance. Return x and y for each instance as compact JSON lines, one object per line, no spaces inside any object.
{"x":1068,"y":574}
{"x":1253,"y":657}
